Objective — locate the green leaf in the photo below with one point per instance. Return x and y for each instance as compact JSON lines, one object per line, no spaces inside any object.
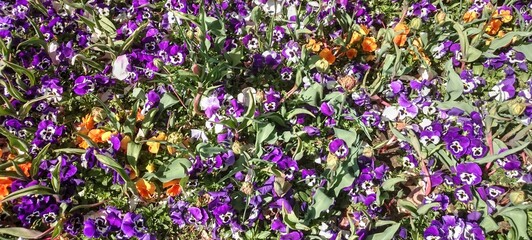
{"x":264,"y":132}
{"x":492,"y":158}
{"x":518,"y":220}
{"x":422,"y":210}
{"x":22,"y":232}
{"x":387,"y":234}
{"x":347,"y":136}
{"x":298,"y":111}
{"x":465,"y":106}
{"x":389,"y":185}
{"x":36,"y":162}
{"x":107,"y":25}
{"x":168,"y":100}
{"x":408,"y":206}
{"x":321,"y":202}
{"x":13,"y":91}
{"x":177,"y":169}
{"x":133,"y":151}
{"x":455,"y":86}
{"x":502,"y":42}
{"x":26,"y":108}
{"x":21,"y":70}
{"x":313,"y":94}
{"x":108,"y":161}
{"x":473,"y":54}
{"x":488,"y":224}
{"x":35,"y":189}
{"x":34,"y":41}
{"x":131,"y":39}
{"x":56,"y":181}
{"x":70,"y":151}
{"x":14,"y":141}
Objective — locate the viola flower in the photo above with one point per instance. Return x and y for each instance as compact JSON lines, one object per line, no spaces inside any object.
{"x":369,"y":44}
{"x":120,"y":67}
{"x":457,"y":145}
{"x":133,"y":225}
{"x":291,"y":52}
{"x":210,"y":105}
{"x":463,"y":194}
{"x":223,"y":214}
{"x":327,"y":55}
{"x":401,"y":30}
{"x":95,"y":228}
{"x":83,"y":85}
{"x":468,"y":173}
{"x":339,"y":148}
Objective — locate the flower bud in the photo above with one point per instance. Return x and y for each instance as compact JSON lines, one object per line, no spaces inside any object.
{"x":247,"y":188}
{"x":98,"y":114}
{"x":415,"y":23}
{"x":440,"y":17}
{"x":517,"y":107}
{"x":322,"y":65}
{"x":236,"y":147}
{"x":158,"y":63}
{"x":517,"y":197}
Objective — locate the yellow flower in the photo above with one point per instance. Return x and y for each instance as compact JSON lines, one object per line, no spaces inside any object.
{"x":504,"y":14}
{"x":154,"y":145}
{"x":470,"y":16}
{"x":313,"y":45}
{"x":150,"y":168}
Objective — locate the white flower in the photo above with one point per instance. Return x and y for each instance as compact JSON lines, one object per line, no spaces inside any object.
{"x":390,"y":113}
{"x":120,"y":65}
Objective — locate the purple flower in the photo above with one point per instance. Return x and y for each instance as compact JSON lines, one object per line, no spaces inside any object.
{"x":327,"y":109}
{"x":272,"y":100}
{"x":223,"y":214}
{"x":291,"y":52}
{"x":458,"y":145}
{"x":463,"y":194}
{"x":133,"y":225}
{"x":95,"y":228}
{"x":311,"y":131}
{"x":468,"y":173}
{"x":339,"y":148}
{"x":210,"y":105}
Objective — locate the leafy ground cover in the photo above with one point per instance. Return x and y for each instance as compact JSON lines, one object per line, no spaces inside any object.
{"x":266,"y":119}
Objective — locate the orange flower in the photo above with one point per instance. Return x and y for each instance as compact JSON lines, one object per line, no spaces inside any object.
{"x":504,"y":14}
{"x":493,"y":26}
{"x":154,"y":145}
{"x":470,"y":16}
{"x":140,"y":117}
{"x":327,"y":55}
{"x":351,"y":53}
{"x":123,"y":143}
{"x":369,"y":44}
{"x":174,"y":188}
{"x":25,"y":167}
{"x":402,"y":30}
{"x":5,"y":184}
{"x":313,"y":45}
{"x":146,"y":189}
{"x":87,"y":123}
{"x":96,"y":135}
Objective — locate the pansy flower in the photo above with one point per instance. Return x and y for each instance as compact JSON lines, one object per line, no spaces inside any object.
{"x":339,"y":148}
{"x":468,"y":174}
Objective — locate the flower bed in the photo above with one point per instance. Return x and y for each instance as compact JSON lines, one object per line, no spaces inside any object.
{"x":266,"y":119}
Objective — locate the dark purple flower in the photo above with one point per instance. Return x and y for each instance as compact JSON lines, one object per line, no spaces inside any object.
{"x":133,"y":225}
{"x":468,"y":173}
{"x":339,"y":148}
